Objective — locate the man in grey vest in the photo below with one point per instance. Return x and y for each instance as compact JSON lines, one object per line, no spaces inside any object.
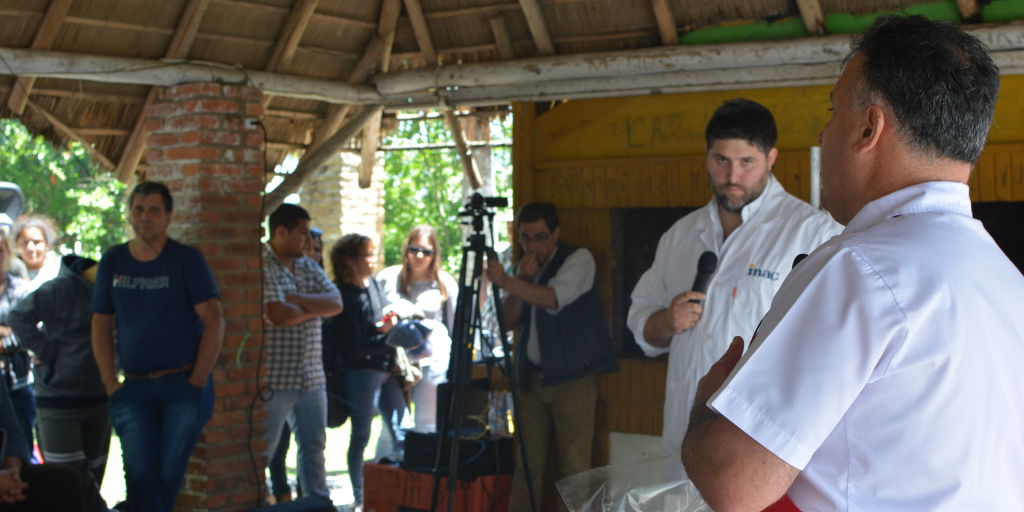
{"x":563,"y":343}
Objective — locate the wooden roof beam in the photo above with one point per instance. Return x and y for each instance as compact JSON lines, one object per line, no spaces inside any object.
{"x":969,"y":10}
{"x":539,"y":30}
{"x":501,"y":38}
{"x":181,"y":43}
{"x":316,"y":158}
{"x":666,"y":22}
{"x":419,"y":29}
{"x":44,"y":39}
{"x":389,"y":11}
{"x":468,"y":164}
{"x":70,"y":133}
{"x":813,"y":17}
{"x":288,"y":42}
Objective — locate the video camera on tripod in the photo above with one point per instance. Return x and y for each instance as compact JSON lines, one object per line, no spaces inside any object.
{"x":478,"y":213}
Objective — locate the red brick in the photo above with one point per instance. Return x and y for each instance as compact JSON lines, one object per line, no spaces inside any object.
{"x":153,"y":125}
{"x":159,"y":140}
{"x":155,"y":156}
{"x":193,"y":153}
{"x":162,"y":109}
{"x":254,"y":110}
{"x":194,"y":122}
{"x":249,"y":186}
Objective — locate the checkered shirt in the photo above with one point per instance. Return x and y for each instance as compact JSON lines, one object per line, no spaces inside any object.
{"x":294,"y":354}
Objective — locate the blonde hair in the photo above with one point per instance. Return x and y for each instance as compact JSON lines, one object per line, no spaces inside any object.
{"x":433,"y":270}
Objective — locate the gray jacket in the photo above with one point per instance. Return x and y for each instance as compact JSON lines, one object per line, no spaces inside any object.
{"x":55,"y":323}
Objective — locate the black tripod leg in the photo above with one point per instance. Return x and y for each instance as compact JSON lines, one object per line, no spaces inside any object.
{"x":513,"y":385}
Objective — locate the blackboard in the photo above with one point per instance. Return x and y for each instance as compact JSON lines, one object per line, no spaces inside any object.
{"x":635,"y":235}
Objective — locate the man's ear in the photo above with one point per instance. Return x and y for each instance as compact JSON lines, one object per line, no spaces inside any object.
{"x":874,"y":122}
{"x":772,"y":155}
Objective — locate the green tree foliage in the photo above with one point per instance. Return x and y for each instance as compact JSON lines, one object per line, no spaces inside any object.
{"x":85,"y":201}
{"x":425,"y":186}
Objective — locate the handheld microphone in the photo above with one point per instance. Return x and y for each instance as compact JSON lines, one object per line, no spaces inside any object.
{"x":706,"y":266}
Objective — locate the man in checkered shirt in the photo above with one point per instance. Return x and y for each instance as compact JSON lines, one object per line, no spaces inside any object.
{"x":296,"y":295}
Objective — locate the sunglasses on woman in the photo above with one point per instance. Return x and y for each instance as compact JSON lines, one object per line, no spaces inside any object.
{"x":413,"y":250}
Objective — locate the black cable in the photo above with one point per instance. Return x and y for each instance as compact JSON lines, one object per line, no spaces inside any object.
{"x":260,"y":390}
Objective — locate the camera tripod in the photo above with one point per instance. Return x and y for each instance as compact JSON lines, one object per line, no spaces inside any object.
{"x":467,"y":328}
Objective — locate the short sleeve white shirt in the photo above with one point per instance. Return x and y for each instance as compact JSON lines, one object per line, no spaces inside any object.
{"x":889,"y":368}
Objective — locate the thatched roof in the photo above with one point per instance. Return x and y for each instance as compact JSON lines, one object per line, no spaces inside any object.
{"x":326,"y":40}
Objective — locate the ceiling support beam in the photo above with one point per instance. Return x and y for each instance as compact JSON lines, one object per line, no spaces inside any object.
{"x":419,"y":28}
{"x":184,"y":36}
{"x":501,"y":38}
{"x":389,"y":11}
{"x":44,"y":39}
{"x":539,"y":30}
{"x":320,"y":156}
{"x":288,"y":42}
{"x":468,"y":164}
{"x":70,"y":133}
{"x":91,"y":68}
{"x":666,"y":22}
{"x":811,"y":14}
{"x":640,"y":64}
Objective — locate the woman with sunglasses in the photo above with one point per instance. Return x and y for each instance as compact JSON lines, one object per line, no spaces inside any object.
{"x":420,"y":280}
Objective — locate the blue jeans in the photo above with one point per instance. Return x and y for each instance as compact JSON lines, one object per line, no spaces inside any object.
{"x":363,"y":389}
{"x":24,"y":401}
{"x":158,"y":421}
{"x":306,"y":413}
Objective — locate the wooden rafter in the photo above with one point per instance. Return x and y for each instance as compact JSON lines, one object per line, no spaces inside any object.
{"x":389,"y":11}
{"x":288,"y":42}
{"x":501,"y":38}
{"x":70,"y":133}
{"x":419,"y":28}
{"x":312,"y":160}
{"x":969,"y":10}
{"x":814,"y":19}
{"x":538,"y":29}
{"x":468,"y":164}
{"x":44,"y":39}
{"x":666,"y":22}
{"x":184,"y":36}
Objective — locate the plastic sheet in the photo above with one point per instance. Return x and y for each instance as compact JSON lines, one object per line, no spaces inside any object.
{"x":654,"y":485}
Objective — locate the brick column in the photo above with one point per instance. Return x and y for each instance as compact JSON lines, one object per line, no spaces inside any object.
{"x":200,"y":147}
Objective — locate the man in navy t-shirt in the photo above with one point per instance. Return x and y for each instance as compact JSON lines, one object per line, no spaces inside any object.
{"x":167,"y":310}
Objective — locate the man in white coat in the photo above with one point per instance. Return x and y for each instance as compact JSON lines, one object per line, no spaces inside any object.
{"x":755,"y":228}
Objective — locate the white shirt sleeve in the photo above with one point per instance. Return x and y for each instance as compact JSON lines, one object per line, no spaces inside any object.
{"x":574,"y":278}
{"x":650,"y":296}
{"x":831,"y":330}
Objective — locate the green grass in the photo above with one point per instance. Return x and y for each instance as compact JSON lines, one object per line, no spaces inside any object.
{"x":113,"y":489}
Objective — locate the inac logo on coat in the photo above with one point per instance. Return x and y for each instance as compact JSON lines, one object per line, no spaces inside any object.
{"x":762,"y":272}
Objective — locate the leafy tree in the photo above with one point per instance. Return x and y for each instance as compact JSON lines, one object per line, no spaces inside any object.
{"x":85,"y":201}
{"x":426,"y":187}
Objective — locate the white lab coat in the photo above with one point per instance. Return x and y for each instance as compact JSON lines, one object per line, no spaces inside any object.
{"x":752,"y":264}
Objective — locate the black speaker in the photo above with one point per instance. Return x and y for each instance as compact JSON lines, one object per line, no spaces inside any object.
{"x":477,"y":457}
{"x":307,"y":504}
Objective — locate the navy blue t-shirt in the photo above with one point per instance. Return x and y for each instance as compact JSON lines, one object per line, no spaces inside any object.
{"x":154,"y":303}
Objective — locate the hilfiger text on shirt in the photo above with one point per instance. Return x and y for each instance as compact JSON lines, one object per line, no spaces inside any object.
{"x":141,"y":283}
{"x":754,"y":271}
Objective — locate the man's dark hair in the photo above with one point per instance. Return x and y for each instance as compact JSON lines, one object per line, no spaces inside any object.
{"x":148,"y":188}
{"x":938,"y":80}
{"x":287,"y":216}
{"x":533,"y":212}
{"x":745,"y":120}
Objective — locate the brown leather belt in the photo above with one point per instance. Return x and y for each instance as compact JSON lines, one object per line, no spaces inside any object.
{"x":159,"y":373}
